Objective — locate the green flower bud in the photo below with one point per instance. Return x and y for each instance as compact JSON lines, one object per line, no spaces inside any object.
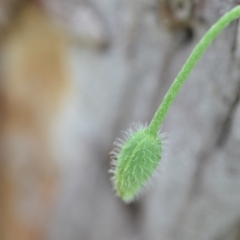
{"x":137,"y":158}
{"x":135,"y":161}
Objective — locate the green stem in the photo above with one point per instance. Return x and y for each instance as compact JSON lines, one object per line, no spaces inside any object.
{"x":211,"y":34}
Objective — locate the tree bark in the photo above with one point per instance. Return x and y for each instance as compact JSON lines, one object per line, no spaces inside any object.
{"x":124,"y":56}
{"x":196,"y":195}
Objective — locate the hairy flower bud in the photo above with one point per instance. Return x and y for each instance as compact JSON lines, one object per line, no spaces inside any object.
{"x":135,"y":161}
{"x":137,"y":158}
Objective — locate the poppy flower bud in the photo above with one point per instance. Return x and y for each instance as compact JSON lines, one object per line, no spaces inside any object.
{"x":137,"y":158}
{"x":135,"y":161}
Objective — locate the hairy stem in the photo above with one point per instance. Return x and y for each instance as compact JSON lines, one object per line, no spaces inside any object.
{"x":211,"y":34}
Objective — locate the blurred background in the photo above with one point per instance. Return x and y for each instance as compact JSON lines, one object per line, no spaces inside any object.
{"x":74,"y":74}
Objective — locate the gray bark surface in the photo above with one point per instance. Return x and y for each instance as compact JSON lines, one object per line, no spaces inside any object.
{"x":197,"y":193}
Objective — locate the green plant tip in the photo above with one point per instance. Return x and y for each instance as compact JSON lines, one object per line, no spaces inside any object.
{"x":135,"y":161}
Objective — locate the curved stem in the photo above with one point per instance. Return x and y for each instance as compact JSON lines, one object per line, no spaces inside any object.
{"x":211,"y":34}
